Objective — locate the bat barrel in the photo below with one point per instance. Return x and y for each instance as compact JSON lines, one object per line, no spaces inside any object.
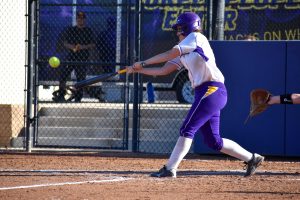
{"x":97,"y":79}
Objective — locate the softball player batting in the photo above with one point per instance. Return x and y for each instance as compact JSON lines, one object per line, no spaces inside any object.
{"x":195,"y":54}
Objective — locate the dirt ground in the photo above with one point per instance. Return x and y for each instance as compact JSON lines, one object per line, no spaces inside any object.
{"x":119,"y":175}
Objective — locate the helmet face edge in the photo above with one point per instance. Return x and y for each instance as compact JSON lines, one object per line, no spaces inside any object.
{"x":188,"y":21}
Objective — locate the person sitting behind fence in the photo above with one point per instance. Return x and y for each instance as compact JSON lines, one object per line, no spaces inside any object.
{"x":78,"y":40}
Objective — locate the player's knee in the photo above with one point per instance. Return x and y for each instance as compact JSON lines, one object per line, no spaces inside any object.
{"x":215,"y":144}
{"x":187,"y":134}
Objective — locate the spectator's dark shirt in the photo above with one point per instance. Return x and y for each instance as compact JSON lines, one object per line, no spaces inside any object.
{"x":83,"y":36}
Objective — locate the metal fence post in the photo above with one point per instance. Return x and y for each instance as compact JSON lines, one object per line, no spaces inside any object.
{"x":30,"y":63}
{"x":136,"y":78}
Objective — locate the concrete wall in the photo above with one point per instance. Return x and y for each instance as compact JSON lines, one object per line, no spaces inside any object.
{"x":12,"y":51}
{"x":12,"y":76}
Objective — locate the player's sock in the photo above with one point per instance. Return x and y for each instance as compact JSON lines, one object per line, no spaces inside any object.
{"x":181,"y":148}
{"x":233,"y":149}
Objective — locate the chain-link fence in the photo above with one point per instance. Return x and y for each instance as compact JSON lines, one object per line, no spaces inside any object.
{"x":88,"y":40}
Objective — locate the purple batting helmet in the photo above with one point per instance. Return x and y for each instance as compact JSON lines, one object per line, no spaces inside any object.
{"x":188,"y":22}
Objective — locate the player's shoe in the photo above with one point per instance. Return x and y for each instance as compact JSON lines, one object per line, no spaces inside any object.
{"x":164,"y":172}
{"x":253,"y":164}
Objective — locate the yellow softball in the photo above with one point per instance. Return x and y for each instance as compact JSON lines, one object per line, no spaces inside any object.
{"x":54,"y":62}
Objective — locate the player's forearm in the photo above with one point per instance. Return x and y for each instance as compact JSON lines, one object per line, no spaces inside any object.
{"x":165,"y":70}
{"x":274,"y":100}
{"x":295,"y":98}
{"x":152,"y":71}
{"x":163,"y":57}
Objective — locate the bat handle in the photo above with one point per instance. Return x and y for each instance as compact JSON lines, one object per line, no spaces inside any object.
{"x":122,"y":71}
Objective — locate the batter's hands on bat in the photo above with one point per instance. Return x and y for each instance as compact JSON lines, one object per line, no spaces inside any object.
{"x":138,"y":65}
{"x":130,"y":70}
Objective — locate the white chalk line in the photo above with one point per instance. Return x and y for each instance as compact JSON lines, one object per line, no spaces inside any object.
{"x":115,"y":179}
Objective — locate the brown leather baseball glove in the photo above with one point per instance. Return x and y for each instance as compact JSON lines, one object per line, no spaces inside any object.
{"x":259,"y":102}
